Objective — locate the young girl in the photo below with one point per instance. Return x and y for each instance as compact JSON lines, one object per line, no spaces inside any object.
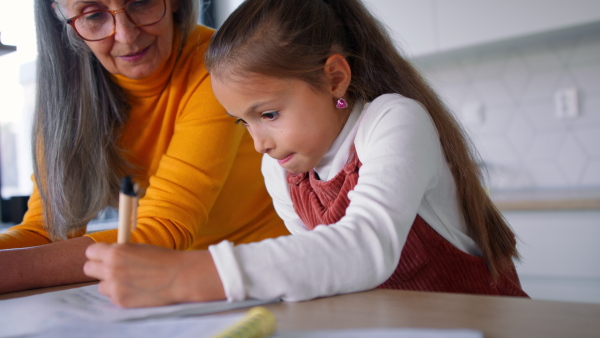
{"x":365,"y":165}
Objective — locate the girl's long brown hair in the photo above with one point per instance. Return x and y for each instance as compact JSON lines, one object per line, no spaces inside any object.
{"x":294,"y":38}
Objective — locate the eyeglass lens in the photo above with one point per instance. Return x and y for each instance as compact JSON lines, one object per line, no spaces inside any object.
{"x":99,"y":24}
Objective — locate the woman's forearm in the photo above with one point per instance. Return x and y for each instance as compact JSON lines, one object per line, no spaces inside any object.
{"x":45,"y":265}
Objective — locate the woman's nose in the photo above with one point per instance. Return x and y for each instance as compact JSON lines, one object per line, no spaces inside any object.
{"x":125,"y":30}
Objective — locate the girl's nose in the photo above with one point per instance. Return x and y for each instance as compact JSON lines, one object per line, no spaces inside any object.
{"x":262,"y":144}
{"x":125,"y":30}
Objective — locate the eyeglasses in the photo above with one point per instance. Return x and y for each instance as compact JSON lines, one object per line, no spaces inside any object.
{"x":96,"y":25}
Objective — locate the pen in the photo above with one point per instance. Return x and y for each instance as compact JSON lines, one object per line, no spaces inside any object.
{"x":127,"y":209}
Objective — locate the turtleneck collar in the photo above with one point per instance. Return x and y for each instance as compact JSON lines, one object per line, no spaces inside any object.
{"x":338,"y":153}
{"x":155,"y":83}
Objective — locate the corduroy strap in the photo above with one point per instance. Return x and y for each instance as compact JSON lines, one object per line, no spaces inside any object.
{"x":323,"y":202}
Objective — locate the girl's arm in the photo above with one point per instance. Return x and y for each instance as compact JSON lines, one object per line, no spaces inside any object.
{"x":357,"y":253}
{"x":401,"y":158}
{"x":136,"y":275}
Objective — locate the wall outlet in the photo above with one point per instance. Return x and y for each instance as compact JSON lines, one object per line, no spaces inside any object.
{"x":566,"y":103}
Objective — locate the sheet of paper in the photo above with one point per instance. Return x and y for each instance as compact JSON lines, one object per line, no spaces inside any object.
{"x":186,"y":327}
{"x":383,"y":333}
{"x":34,"y":314}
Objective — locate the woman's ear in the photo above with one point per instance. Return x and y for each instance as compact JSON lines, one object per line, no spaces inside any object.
{"x":338,"y":75}
{"x":174,"y":5}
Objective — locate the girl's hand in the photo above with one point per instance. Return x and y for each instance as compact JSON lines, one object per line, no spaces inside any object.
{"x":138,"y":275}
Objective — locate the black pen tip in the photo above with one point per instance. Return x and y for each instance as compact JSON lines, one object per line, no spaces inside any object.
{"x":127,"y":186}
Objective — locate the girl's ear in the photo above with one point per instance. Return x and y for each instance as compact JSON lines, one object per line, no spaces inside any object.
{"x":338,"y":75}
{"x":174,"y":5}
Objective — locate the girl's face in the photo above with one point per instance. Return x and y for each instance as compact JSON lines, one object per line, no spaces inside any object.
{"x":288,"y":119}
{"x":134,"y":52}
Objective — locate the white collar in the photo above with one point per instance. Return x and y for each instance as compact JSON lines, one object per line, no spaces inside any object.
{"x":335,"y":158}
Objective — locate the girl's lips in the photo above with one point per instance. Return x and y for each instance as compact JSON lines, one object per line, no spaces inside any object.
{"x":284,"y":160}
{"x":137,"y":56}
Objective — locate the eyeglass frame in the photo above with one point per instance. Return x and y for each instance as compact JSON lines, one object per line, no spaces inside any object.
{"x":113,"y":13}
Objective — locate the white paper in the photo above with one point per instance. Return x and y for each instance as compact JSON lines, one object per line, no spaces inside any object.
{"x":383,"y":333}
{"x":73,"y":307}
{"x":186,"y":327}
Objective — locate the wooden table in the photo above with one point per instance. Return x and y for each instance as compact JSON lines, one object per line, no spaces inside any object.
{"x":495,"y":316}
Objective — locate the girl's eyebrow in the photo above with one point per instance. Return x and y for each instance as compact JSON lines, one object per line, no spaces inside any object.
{"x":250,"y":109}
{"x":254,"y":107}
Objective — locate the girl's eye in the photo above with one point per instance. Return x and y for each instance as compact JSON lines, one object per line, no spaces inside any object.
{"x":270,"y":115}
{"x":238,"y":121}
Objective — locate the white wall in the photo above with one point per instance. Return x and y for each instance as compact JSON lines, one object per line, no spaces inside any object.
{"x":17,"y":70}
{"x":519,"y":136}
{"x":423,"y":27}
{"x":224,"y":8}
{"x":526,"y":147}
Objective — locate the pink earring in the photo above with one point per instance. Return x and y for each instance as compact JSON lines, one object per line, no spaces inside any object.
{"x":341,"y":103}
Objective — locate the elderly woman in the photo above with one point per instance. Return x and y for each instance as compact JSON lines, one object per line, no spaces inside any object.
{"x":122,"y":89}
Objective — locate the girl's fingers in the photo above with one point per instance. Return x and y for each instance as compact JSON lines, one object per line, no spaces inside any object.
{"x":117,"y":294}
{"x":97,"y":251}
{"x":93,"y":269}
{"x":105,"y":261}
{"x":134,"y":275}
{"x":103,"y":288}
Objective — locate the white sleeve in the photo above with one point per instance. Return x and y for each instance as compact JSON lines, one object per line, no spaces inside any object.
{"x":399,"y":150}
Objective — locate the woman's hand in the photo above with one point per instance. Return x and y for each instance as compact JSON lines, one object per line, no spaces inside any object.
{"x":138,"y":275}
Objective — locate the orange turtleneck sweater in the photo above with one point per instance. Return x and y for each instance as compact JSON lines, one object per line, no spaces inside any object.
{"x":199,"y":170}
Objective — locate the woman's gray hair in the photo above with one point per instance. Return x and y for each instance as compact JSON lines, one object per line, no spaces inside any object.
{"x":79,"y":115}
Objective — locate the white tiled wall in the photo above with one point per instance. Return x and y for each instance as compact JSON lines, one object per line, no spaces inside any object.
{"x":521,"y":141}
{"x":525,"y":147}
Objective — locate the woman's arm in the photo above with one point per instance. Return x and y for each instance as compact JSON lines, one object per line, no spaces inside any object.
{"x":29,"y":260}
{"x":174,"y":209}
{"x":45,"y":265}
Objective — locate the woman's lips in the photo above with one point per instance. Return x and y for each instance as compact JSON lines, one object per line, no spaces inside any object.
{"x":284,"y":160}
{"x":137,"y":56}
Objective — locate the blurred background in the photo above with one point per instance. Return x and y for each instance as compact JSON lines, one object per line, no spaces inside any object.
{"x":523,"y":77}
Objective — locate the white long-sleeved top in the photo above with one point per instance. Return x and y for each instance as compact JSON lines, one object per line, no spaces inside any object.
{"x":403,"y":173}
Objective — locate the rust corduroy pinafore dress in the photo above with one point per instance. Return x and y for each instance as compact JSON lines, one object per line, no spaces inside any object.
{"x":428,"y":262}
